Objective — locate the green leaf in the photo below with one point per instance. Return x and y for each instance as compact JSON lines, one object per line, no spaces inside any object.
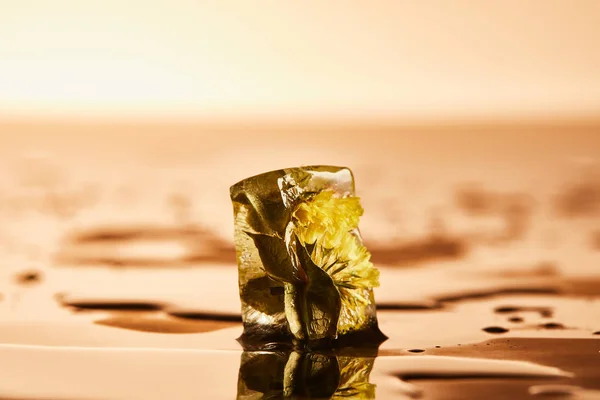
{"x":274,"y":256}
{"x":323,"y":302}
{"x":264,"y":294}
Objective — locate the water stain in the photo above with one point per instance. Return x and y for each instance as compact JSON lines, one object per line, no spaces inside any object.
{"x":411,"y":305}
{"x":564,"y":391}
{"x":554,"y":390}
{"x":79,"y":303}
{"x":416,"y":350}
{"x":476,"y":201}
{"x":585,"y":286}
{"x":482,"y":294}
{"x":157,"y":323}
{"x":542,"y":269}
{"x":595,"y":242}
{"x":581,"y":198}
{"x":515,"y":209}
{"x":125,"y":234}
{"x":552,"y":325}
{"x":202,"y":315}
{"x":28,"y":277}
{"x":545,"y":312}
{"x":145,"y":246}
{"x":597,"y":333}
{"x":495,"y":329}
{"x":446,"y":367}
{"x":435,"y":247}
{"x":578,"y":356}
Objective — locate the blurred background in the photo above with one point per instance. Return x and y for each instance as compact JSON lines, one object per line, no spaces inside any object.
{"x":159,"y":106}
{"x":387,"y":60}
{"x":472,"y":127}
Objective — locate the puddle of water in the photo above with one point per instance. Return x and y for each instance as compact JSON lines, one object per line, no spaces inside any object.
{"x":552,"y":325}
{"x":578,"y":356}
{"x":495,"y":329}
{"x":114,"y":373}
{"x":429,"y":249}
{"x":543,"y":311}
{"x":157,"y":323}
{"x":145,"y":247}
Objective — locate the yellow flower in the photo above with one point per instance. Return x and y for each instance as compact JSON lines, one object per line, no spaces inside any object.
{"x":330,"y":224}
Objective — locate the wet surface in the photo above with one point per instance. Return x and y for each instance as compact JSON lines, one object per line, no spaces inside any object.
{"x":118,"y":278}
{"x":578,"y":356}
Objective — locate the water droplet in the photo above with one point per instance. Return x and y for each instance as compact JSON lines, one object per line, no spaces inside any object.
{"x":28,"y":277}
{"x":495,"y":329}
{"x":516,"y":320}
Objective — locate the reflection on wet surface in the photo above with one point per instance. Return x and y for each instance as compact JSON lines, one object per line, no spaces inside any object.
{"x":305,"y":375}
{"x":119,"y":283}
{"x":118,"y":373}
